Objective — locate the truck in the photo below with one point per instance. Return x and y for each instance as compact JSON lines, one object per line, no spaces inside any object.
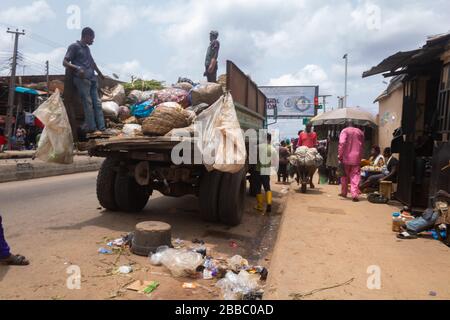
{"x":136,"y":167}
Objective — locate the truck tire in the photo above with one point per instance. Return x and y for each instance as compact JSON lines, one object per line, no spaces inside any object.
{"x":130,"y":197}
{"x":232,"y":198}
{"x":106,"y":180}
{"x":209,"y":196}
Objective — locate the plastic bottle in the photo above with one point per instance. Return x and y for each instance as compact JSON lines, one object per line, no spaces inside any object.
{"x":397,"y":222}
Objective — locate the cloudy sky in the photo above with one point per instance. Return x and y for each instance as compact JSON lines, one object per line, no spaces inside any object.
{"x":277,"y":42}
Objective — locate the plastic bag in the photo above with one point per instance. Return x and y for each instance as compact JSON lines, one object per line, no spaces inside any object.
{"x":124,"y":113}
{"x":236,"y":286}
{"x":237,"y":263}
{"x":143,"y":110}
{"x":205,"y":93}
{"x":132,"y":130}
{"x":221,"y":140}
{"x":111,"y":108}
{"x":181,"y":263}
{"x":56,"y":142}
{"x":155,"y":258}
{"x":116,"y":94}
{"x":137,"y":96}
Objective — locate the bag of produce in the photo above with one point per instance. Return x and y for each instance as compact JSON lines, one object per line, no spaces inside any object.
{"x":116,"y":94}
{"x":207,"y":93}
{"x":179,"y":96}
{"x":164,"y":119}
{"x":111,"y":109}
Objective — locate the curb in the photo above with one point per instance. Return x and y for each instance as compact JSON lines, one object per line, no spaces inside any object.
{"x":36,"y":170}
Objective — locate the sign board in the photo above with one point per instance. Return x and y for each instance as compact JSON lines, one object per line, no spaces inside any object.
{"x":291,"y":102}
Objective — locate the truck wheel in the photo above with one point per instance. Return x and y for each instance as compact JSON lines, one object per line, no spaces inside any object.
{"x":209,"y":196}
{"x":130,"y":197}
{"x":232,"y":198}
{"x":106,"y":180}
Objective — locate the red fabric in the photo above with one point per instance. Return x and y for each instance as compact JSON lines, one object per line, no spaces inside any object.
{"x":3,"y":140}
{"x":307,"y":140}
{"x":38,"y":123}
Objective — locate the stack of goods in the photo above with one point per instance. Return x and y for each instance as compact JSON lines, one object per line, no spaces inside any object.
{"x":155,"y":110}
{"x":305,"y":156}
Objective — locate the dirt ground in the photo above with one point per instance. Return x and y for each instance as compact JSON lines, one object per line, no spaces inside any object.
{"x":325,"y":241}
{"x":56,"y":222}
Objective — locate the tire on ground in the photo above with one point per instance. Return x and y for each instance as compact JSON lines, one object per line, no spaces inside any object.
{"x":106,"y":180}
{"x":130,"y":197}
{"x":209,"y":196}
{"x":232,"y":197}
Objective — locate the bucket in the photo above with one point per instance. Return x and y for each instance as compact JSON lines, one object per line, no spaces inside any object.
{"x":386,"y":189}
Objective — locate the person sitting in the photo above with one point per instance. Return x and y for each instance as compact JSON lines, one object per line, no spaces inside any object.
{"x":388,"y":171}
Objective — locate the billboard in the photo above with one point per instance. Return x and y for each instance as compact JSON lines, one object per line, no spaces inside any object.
{"x":291,"y":102}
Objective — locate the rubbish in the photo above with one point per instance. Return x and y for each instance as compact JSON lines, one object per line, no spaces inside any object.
{"x":440,"y":235}
{"x":186,"y":86}
{"x":164,"y":119}
{"x":219,"y":133}
{"x":118,"y":243}
{"x":172,"y":95}
{"x":181,"y":262}
{"x":178,"y":243}
{"x":137,"y":96}
{"x":208,"y":274}
{"x":207,"y":93}
{"x":139,"y":285}
{"x":116,"y":94}
{"x":104,"y":251}
{"x":188,"y":285}
{"x":132,"y":130}
{"x":56,"y":142}
{"x":237,"y":263}
{"x":237,"y":286}
{"x":125,"y":269}
{"x":155,"y":258}
{"x":233,"y":244}
{"x":433,"y":293}
{"x":151,"y":287}
{"x":143,"y":110}
{"x":110,"y":108}
{"x":198,"y":109}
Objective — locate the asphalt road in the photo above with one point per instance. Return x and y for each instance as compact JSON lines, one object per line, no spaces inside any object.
{"x":56,"y":222}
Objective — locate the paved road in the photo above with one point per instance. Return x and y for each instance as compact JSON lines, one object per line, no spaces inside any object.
{"x":57,"y":222}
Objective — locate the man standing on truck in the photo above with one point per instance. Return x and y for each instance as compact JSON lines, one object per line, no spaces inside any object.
{"x":212,"y":54}
{"x":79,"y":60}
{"x":267,"y":158}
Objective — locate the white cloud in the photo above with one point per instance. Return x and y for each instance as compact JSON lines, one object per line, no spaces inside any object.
{"x":132,"y":68}
{"x":37,"y":12}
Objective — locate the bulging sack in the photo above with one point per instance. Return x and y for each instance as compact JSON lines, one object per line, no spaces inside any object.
{"x":164,"y":119}
{"x":116,"y":94}
{"x":110,"y":108}
{"x":206,"y":93}
{"x":56,"y":143}
{"x":221,"y":139}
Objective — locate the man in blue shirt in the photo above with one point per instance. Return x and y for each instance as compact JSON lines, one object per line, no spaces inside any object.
{"x":79,"y":60}
{"x":212,"y":54}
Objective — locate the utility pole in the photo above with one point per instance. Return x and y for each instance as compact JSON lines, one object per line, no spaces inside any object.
{"x":47,"y":68}
{"x":12,"y":85}
{"x":346,"y":76}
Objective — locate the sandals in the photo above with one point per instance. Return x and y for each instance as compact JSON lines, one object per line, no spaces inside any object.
{"x":15,"y":260}
{"x":406,"y":236}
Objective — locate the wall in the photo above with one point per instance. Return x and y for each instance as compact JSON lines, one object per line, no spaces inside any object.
{"x":390,"y":117}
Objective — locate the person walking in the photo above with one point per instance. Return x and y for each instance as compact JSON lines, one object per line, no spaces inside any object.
{"x":79,"y":60}
{"x":267,"y":159}
{"x":284,"y":154}
{"x":351,"y":143}
{"x":6,"y":258}
{"x":308,"y":138}
{"x":212,"y":54}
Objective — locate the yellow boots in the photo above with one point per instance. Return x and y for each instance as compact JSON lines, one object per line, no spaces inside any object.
{"x":260,"y":202}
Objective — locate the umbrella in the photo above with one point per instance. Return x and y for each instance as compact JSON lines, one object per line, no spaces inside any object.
{"x":341,"y":116}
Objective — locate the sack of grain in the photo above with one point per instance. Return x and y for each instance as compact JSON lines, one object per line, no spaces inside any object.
{"x":164,"y":119}
{"x":110,"y":108}
{"x":207,"y":93}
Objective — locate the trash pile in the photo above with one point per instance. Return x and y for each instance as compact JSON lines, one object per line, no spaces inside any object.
{"x":157,"y":112}
{"x":305,"y":156}
{"x":236,"y":278}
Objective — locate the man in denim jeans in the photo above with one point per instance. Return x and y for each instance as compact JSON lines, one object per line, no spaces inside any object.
{"x":79,"y":59}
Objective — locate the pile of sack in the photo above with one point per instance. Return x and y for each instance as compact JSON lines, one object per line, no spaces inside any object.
{"x":157,"y":112}
{"x":305,"y":156}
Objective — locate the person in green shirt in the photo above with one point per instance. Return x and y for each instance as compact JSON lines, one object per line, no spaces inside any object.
{"x":267,"y":159}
